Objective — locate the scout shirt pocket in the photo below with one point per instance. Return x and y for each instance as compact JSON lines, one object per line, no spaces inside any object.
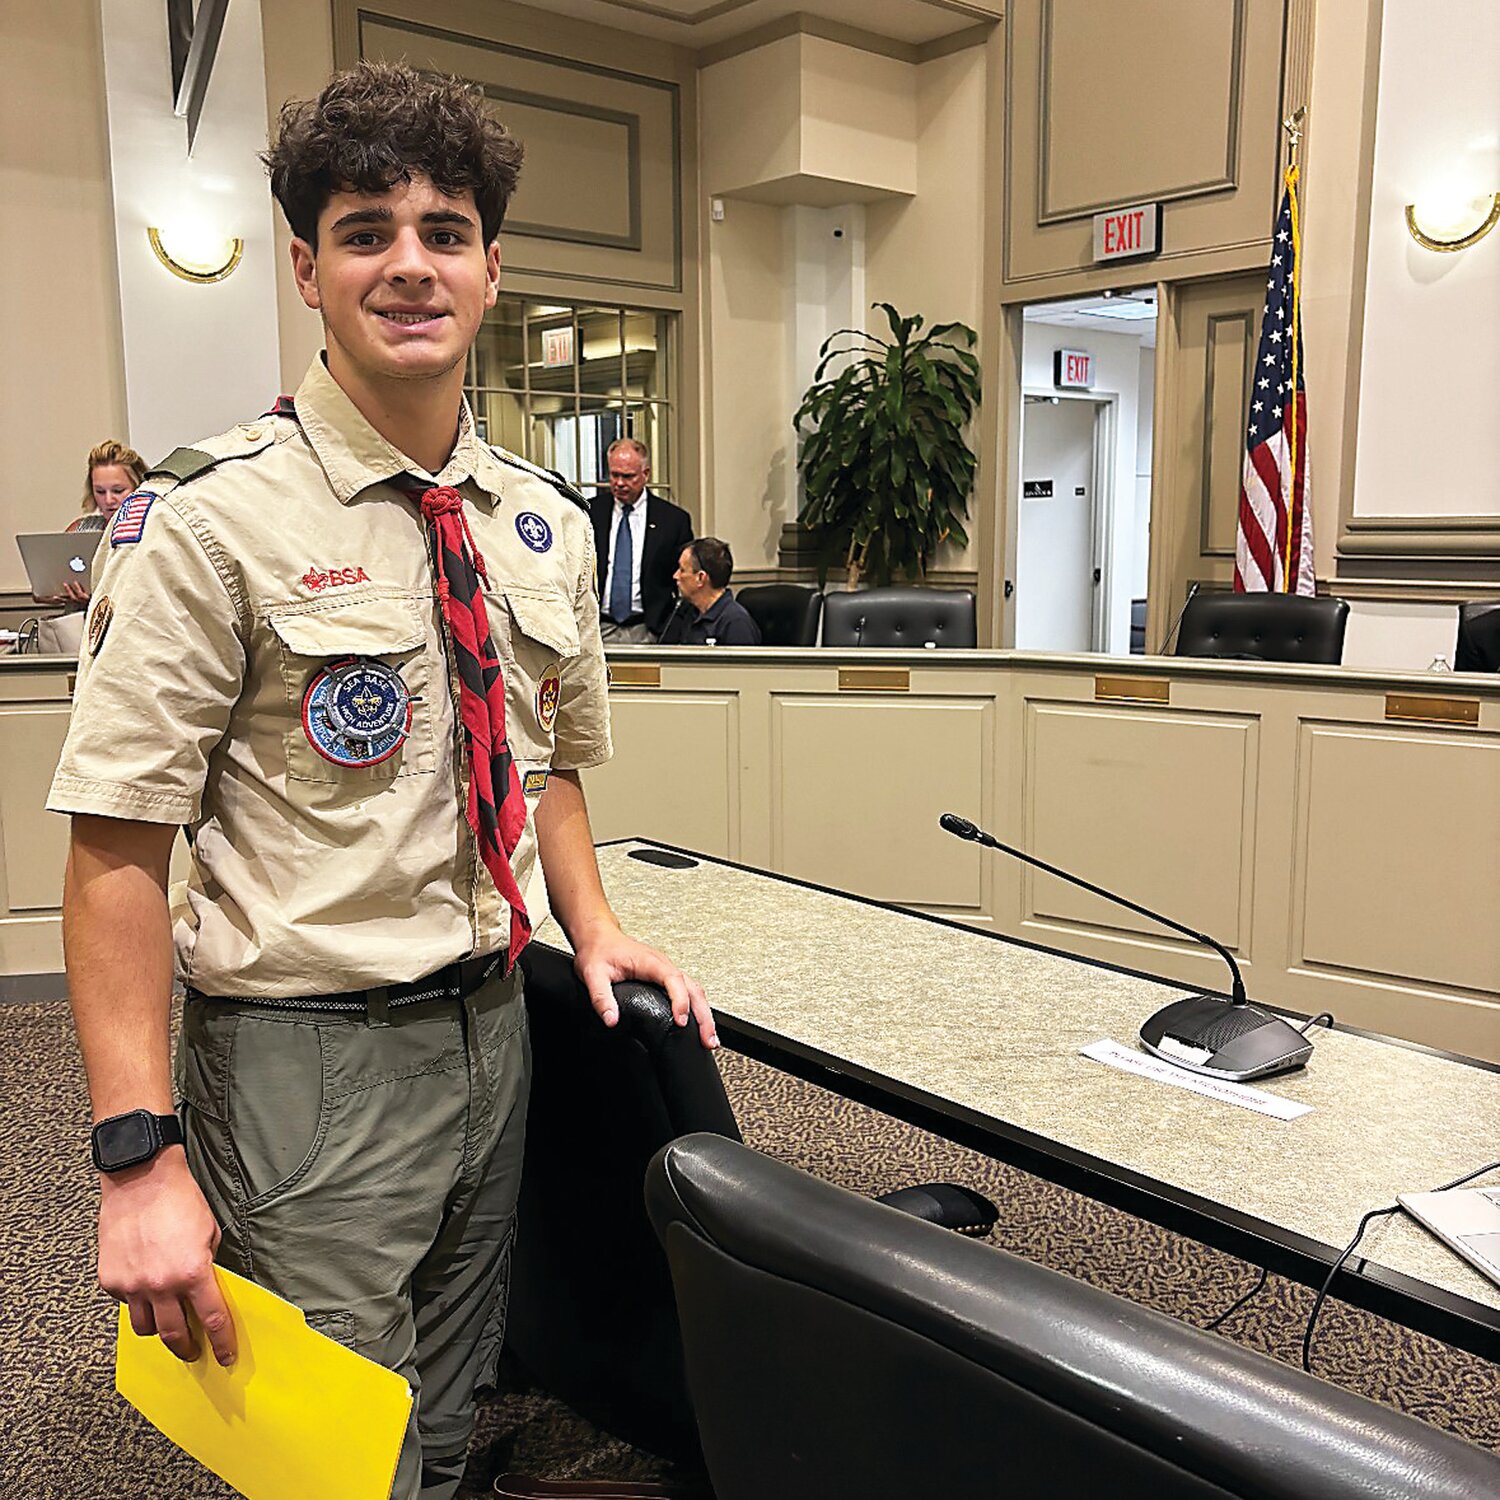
{"x":536,"y":635}
{"x":369,"y":653}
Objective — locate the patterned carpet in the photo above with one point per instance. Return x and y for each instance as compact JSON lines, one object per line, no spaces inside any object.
{"x":68,"y":1437}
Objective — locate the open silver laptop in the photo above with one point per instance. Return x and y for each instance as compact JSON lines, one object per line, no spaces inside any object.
{"x":54,"y":559}
{"x":1468,"y":1219}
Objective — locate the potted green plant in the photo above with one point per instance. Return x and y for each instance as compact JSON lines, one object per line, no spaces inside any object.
{"x":886,"y":467}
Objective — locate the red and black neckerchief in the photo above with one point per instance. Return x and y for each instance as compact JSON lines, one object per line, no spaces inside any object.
{"x":496,"y":807}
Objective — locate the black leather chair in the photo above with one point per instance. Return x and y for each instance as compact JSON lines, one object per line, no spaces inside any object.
{"x":787,"y":613}
{"x":838,"y":1351}
{"x":592,"y":1316}
{"x":1264,"y":627}
{"x":1478,"y":648}
{"x":1137,"y":627}
{"x":900,"y":617}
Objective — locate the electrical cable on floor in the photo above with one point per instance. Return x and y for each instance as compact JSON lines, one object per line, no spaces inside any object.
{"x":1348,"y":1250}
{"x":1326,"y":1016}
{"x":1239,"y":1302}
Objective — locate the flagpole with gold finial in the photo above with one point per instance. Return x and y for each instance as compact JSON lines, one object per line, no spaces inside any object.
{"x":1293,"y":127}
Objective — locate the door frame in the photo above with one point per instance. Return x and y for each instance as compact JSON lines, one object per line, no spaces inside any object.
{"x":1101,"y":498}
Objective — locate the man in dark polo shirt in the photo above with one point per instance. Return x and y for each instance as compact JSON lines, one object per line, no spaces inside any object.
{"x":706,"y":614}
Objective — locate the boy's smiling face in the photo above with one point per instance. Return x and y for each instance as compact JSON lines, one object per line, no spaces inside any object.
{"x":402,"y":279}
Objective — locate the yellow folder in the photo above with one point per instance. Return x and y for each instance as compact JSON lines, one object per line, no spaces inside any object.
{"x":297,"y":1415}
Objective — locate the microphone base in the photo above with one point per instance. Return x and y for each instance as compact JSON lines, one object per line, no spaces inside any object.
{"x":1210,"y":1035}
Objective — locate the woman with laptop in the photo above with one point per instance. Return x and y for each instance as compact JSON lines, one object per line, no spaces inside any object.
{"x":114,"y":472}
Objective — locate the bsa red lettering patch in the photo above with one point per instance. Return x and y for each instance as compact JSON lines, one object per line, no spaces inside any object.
{"x":331,"y":578}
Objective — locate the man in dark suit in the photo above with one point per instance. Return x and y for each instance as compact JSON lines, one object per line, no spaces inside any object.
{"x":639,"y":538}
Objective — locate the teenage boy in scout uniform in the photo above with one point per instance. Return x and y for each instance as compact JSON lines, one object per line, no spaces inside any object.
{"x":356,"y":652}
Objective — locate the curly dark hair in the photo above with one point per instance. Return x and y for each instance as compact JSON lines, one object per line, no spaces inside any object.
{"x":376,"y":124}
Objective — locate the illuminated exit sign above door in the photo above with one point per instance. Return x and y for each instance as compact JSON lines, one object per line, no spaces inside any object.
{"x":1127,"y":233}
{"x":1072,"y":369}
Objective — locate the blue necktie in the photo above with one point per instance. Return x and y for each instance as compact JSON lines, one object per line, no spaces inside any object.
{"x":620,"y":580}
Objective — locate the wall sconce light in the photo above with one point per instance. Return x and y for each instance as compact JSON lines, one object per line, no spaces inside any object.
{"x":196,"y":255}
{"x":1452,"y":223}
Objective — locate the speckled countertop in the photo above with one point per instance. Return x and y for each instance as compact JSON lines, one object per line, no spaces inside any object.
{"x":996,"y":1027}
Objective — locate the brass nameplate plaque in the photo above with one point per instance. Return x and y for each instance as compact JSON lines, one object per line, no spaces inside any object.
{"x":635,"y":674}
{"x":1132,"y":690}
{"x":874,"y":679}
{"x":1427,"y":710}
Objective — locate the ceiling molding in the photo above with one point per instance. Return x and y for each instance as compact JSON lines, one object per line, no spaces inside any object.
{"x":957,"y":41}
{"x":802,"y":23}
{"x":984,"y":16}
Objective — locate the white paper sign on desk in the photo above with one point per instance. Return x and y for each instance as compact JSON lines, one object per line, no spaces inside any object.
{"x":1128,"y":1060}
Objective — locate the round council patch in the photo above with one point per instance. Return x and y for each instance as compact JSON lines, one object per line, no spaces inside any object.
{"x":99,"y":617}
{"x":357,"y":712}
{"x":534,"y":531}
{"x":548,"y":692}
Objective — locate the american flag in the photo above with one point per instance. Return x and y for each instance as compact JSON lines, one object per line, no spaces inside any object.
{"x":1273,"y":549}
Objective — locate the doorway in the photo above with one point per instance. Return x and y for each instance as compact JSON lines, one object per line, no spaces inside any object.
{"x":1082,"y":546}
{"x":1059,"y":568}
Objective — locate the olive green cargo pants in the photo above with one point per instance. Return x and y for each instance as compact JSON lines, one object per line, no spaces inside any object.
{"x":366,"y":1169}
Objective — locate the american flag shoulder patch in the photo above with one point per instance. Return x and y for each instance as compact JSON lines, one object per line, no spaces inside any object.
{"x":130,"y":519}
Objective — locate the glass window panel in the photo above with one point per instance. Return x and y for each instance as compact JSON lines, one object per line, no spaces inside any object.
{"x":601,"y":423}
{"x":645,"y":425}
{"x":553,"y":434}
{"x":558,"y":382}
{"x":644,"y":357}
{"x":501,"y":418}
{"x":497,"y":351}
{"x":599,"y":339}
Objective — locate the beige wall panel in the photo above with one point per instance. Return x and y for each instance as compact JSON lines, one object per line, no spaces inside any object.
{"x":764,"y":85}
{"x":1228,"y":355}
{"x":1110,"y":104}
{"x":676,"y":771}
{"x":1404,"y":886}
{"x":749,"y":408}
{"x":601,"y":202}
{"x":66,"y":391}
{"x":31,"y":945}
{"x":1182,"y":119}
{"x":925,"y":253}
{"x":298,"y":38}
{"x":579,"y":168}
{"x":33,"y":842}
{"x":31,"y":739}
{"x":1206,"y":349}
{"x":859,"y":117}
{"x":858,"y":785}
{"x":1154,"y":803}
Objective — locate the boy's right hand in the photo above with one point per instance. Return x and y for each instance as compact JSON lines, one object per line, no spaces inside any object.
{"x":157,"y":1237}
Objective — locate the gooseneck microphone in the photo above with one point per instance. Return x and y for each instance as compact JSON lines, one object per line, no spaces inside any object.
{"x":1204,"y":1033}
{"x":662,"y":640}
{"x":1177,"y":623}
{"x":964,"y":829}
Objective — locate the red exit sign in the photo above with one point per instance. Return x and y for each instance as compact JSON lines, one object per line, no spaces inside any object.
{"x":1072,"y":368}
{"x":1126,"y":233}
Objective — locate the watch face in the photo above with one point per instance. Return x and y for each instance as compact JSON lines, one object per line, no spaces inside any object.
{"x":125,"y":1140}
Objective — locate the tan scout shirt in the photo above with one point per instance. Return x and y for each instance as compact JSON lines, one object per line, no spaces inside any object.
{"x":247,"y":581}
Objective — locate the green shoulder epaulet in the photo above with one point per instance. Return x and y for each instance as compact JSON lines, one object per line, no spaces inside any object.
{"x":184,"y":464}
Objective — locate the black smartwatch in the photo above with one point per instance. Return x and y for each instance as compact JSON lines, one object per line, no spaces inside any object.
{"x":128,"y":1140}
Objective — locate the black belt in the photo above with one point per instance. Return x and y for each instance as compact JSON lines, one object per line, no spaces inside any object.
{"x":453,"y":981}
